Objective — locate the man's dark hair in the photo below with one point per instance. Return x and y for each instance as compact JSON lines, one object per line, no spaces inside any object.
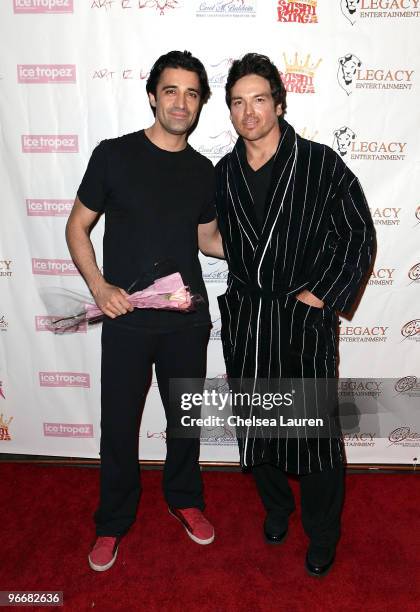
{"x":179,"y":59}
{"x":261,"y":65}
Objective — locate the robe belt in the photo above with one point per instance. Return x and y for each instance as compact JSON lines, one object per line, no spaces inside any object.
{"x":269,"y":294}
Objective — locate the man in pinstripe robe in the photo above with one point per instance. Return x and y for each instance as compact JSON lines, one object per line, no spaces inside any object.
{"x":298,"y":238}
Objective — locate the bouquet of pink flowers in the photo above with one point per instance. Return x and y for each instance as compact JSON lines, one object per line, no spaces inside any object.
{"x":165,"y":293}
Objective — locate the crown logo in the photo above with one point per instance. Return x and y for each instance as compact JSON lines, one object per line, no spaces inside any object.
{"x":308,"y":2}
{"x":305,"y":134}
{"x":4,"y":428}
{"x":297,"y":66}
{"x":5,"y":424}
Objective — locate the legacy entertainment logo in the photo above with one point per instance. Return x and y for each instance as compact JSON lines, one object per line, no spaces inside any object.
{"x":299,"y":74}
{"x":6,"y":267}
{"x":68,"y":143}
{"x":297,"y":11}
{"x":379,"y":9}
{"x":64,"y":379}
{"x":68,"y":430}
{"x":382,"y":277}
{"x":55,"y":267}
{"x":360,"y":333}
{"x":345,"y":143}
{"x":42,"y":6}
{"x":46,"y":73}
{"x":386,"y":215}
{"x":352,"y":75}
{"x":48,"y":208}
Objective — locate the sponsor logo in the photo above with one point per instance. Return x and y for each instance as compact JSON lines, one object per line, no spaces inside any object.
{"x":224,"y":8}
{"x":411,"y":330}
{"x":347,"y":146}
{"x":385,"y":216}
{"x":404,"y":436}
{"x":4,"y":428}
{"x":64,"y":379}
{"x":408,"y":385}
{"x":3,"y":323}
{"x":417,"y":213}
{"x":379,"y":9}
{"x":68,"y":430}
{"x":351,"y":74}
{"x":360,"y":388}
{"x":299,"y":74}
{"x":414,"y":273}
{"x":157,"y":435}
{"x":360,"y":333}
{"x":49,"y":208}
{"x":2,"y":390}
{"x":218,"y":72}
{"x":297,"y":11}
{"x":125,"y":74}
{"x":218,"y":145}
{"x":56,"y":267}
{"x":359,"y":439}
{"x":215,"y":270}
{"x":382,"y":277}
{"x":44,"y":323}
{"x":68,"y":143}
{"x":6,"y":267}
{"x":42,"y":6}
{"x":216,"y":329}
{"x":162,"y":7}
{"x":46,"y":73}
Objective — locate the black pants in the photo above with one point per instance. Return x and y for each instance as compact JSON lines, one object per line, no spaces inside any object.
{"x":321,"y":500}
{"x":127,"y":358}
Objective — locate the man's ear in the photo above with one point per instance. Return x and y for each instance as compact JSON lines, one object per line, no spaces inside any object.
{"x":152,"y":100}
{"x":279,"y":110}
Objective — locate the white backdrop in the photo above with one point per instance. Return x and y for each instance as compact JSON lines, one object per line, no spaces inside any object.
{"x":72,"y":72}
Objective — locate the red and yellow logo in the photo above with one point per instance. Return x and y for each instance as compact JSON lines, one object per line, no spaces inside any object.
{"x":299,"y":74}
{"x":4,"y":428}
{"x":297,"y":11}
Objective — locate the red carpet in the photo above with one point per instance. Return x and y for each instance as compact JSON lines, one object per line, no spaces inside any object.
{"x":46,"y":530}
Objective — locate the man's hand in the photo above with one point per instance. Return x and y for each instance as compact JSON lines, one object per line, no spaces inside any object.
{"x":111,"y":300}
{"x":309,"y":298}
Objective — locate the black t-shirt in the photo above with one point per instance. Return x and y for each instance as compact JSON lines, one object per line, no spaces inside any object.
{"x":153,"y":201}
{"x":259,"y":183}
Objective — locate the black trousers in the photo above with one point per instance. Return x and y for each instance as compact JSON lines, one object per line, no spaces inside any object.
{"x":322,"y":496}
{"x":127,"y":358}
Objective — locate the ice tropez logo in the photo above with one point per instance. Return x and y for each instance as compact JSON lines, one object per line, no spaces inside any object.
{"x":42,"y":6}
{"x":46,"y":73}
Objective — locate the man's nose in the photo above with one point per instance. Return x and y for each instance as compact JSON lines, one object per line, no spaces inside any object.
{"x":181,"y":100}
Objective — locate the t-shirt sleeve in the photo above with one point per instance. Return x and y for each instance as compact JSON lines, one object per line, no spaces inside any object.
{"x":208,"y":211}
{"x":92,"y":191}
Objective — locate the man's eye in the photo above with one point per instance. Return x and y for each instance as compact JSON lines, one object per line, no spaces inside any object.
{"x":260,"y":99}
{"x":237,"y":102}
{"x":193,"y":94}
{"x":170,"y":91}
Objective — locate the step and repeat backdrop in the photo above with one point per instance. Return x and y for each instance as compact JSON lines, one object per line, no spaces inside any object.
{"x":73,"y":72}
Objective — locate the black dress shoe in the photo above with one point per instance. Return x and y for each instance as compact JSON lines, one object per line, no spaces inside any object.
{"x":319,"y":560}
{"x":274,"y":534}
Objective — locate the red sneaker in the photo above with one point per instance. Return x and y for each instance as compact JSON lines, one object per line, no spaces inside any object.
{"x":104,"y":553}
{"x":195,"y":523}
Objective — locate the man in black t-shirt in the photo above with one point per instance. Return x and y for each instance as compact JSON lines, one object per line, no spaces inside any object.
{"x":157,"y":196}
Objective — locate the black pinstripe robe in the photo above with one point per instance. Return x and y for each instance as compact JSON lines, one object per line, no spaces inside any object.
{"x":317,"y":234}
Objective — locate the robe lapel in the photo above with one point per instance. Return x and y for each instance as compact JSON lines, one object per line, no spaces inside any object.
{"x":281,"y":186}
{"x":241,"y":194}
